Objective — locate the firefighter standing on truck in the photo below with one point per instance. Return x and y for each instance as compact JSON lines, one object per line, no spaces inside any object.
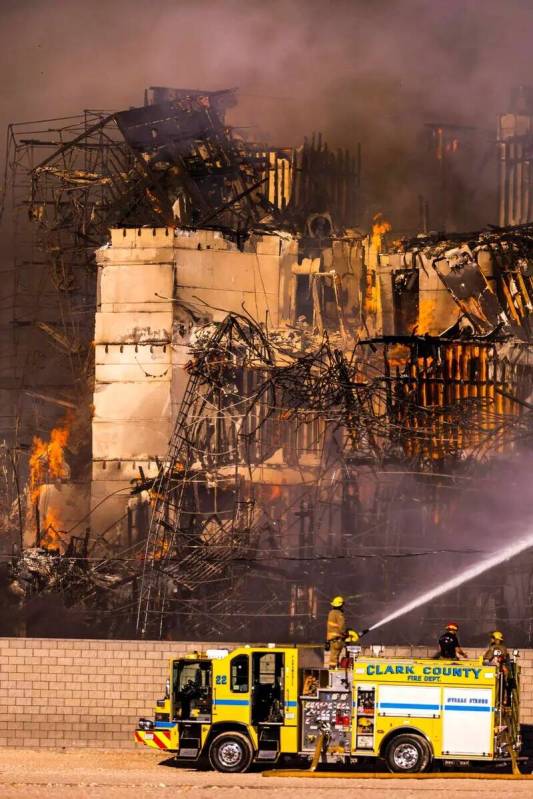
{"x":497,"y":652}
{"x":449,"y":645}
{"x":498,"y":655}
{"x":336,"y":631}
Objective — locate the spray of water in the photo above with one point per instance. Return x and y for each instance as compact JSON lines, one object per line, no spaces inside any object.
{"x":495,"y":559}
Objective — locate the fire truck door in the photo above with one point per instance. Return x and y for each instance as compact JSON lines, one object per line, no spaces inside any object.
{"x":268,"y":687}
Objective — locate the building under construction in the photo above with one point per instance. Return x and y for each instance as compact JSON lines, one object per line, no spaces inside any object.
{"x":248,"y":396}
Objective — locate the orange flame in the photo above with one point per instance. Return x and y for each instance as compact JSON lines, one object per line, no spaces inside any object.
{"x":50,"y":538}
{"x":426,"y":314}
{"x":162,"y":549}
{"x":372,"y":298}
{"x":398,"y":356}
{"x":380,"y":226}
{"x":47,"y":459}
{"x":275,"y":492}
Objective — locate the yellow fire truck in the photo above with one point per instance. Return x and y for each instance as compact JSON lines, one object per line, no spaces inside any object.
{"x":257,"y":703}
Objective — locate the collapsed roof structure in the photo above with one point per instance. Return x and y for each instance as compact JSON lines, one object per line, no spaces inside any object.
{"x":173,"y":160}
{"x":329,"y":395}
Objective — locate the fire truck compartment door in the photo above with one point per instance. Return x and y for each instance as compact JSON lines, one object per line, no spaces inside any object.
{"x":409,"y":701}
{"x":467,"y":721}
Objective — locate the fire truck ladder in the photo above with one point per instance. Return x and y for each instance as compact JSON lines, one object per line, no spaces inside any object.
{"x":513,"y":718}
{"x":509,"y":703}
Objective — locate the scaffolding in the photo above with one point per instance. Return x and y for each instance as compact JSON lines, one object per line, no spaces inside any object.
{"x":302,"y":461}
{"x":173,"y":161}
{"x":320,"y":448}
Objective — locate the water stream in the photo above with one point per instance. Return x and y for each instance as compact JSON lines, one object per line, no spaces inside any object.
{"x":500,"y":556}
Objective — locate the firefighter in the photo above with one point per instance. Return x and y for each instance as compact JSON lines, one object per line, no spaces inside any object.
{"x":449,"y":645}
{"x":497,"y":655}
{"x":336,"y":633}
{"x":497,"y":651}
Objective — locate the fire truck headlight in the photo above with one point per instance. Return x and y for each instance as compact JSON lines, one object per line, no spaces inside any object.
{"x":146,"y":724}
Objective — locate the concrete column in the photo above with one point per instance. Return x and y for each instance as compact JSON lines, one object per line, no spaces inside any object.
{"x":155,"y":286}
{"x":133,"y":370}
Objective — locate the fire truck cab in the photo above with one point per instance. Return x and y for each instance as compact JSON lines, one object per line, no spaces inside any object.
{"x":255,"y":704}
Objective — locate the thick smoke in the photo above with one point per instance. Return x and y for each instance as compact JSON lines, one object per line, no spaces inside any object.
{"x":374,"y":71}
{"x":364,"y":71}
{"x":465,"y":521}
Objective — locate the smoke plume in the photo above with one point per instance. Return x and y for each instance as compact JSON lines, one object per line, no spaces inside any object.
{"x":364,"y":71}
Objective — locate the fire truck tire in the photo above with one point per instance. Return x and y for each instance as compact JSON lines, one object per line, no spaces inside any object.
{"x":408,"y":753}
{"x":231,"y":752}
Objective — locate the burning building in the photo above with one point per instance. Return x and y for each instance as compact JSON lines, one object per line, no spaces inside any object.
{"x":332,"y":399}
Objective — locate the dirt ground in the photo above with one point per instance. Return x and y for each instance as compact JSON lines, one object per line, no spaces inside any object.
{"x":97,"y":774}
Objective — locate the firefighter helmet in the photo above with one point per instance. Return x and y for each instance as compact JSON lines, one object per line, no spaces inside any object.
{"x":497,"y":635}
{"x":452,"y":626}
{"x":337,"y":602}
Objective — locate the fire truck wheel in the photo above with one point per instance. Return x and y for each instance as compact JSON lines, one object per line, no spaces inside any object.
{"x":231,"y":752}
{"x":408,"y":753}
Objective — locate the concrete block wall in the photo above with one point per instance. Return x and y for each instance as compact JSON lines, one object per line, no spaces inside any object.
{"x":87,"y":693}
{"x":90,"y":693}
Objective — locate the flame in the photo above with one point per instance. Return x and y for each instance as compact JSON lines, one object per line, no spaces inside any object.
{"x":398,"y":355}
{"x":380,"y":226}
{"x":452,"y":146}
{"x":426,"y":315}
{"x":50,"y":538}
{"x":444,"y":146}
{"x":47,"y":458}
{"x":398,"y":245}
{"x":438,"y":134}
{"x":162,"y":549}
{"x":372,"y":302}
